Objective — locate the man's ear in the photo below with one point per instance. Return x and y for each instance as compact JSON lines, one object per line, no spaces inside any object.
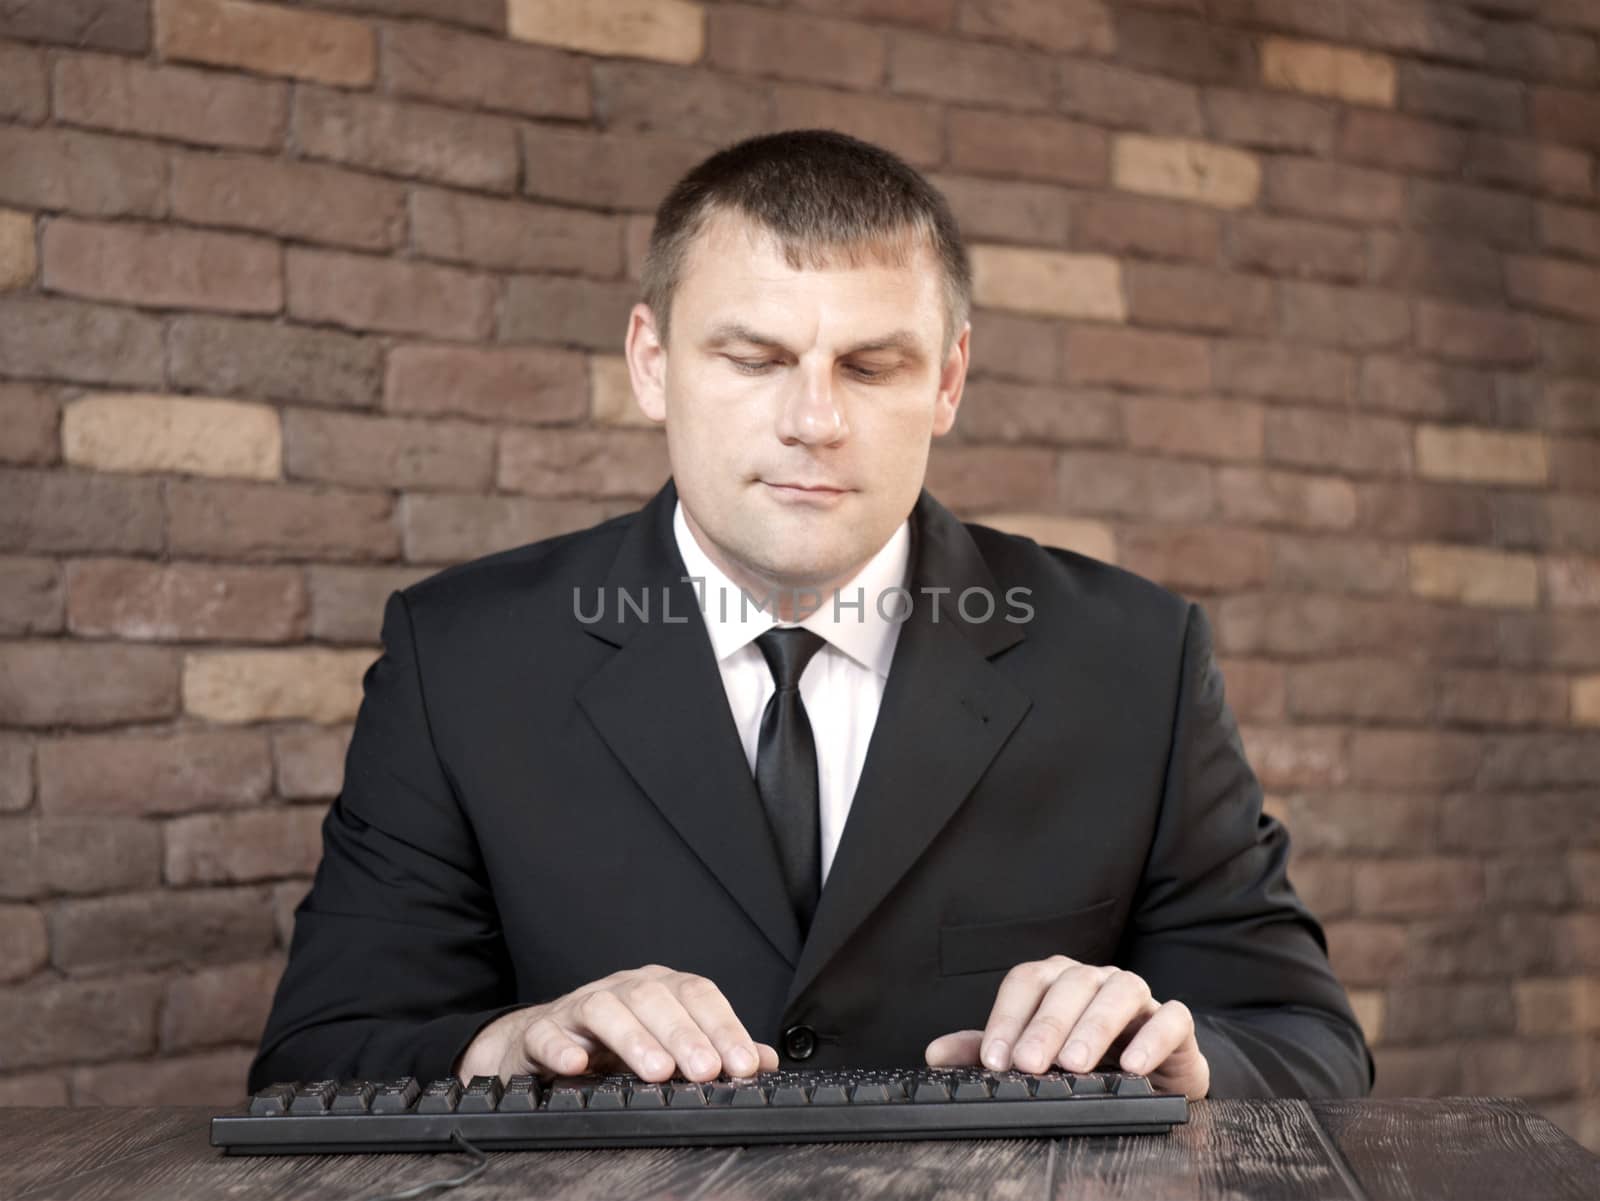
{"x":952,"y":381}
{"x":647,"y":363}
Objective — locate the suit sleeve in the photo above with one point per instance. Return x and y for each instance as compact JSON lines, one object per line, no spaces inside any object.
{"x":1217,"y":924}
{"x":397,"y":958}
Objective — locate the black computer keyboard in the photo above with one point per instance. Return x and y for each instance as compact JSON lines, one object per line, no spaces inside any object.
{"x":622,"y":1110}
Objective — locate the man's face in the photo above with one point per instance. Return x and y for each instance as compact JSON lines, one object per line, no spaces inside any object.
{"x":796,"y":446}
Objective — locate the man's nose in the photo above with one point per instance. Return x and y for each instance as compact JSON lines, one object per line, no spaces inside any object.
{"x":809,"y":410}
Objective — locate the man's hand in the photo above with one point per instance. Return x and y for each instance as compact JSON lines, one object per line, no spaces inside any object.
{"x":651,"y":1021}
{"x":1058,"y":1010}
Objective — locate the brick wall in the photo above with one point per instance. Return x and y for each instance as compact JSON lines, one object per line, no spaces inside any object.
{"x":1293,"y":305}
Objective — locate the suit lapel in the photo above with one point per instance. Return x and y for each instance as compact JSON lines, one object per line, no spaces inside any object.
{"x":660,"y":705}
{"x":946,"y":711}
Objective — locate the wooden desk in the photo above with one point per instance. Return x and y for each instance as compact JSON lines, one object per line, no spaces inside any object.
{"x":1459,"y":1147}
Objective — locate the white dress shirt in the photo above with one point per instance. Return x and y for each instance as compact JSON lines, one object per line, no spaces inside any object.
{"x":841,"y":686}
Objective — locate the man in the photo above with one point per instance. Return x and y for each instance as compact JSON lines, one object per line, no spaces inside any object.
{"x":596,"y":817}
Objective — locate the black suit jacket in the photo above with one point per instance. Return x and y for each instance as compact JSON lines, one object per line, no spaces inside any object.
{"x":532,"y":801}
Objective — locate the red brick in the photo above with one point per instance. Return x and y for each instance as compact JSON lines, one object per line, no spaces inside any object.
{"x":514,"y":235}
{"x":1523,"y":1068}
{"x":31,"y":433}
{"x":1298,"y":249}
{"x":1000,"y":411}
{"x":1413,"y":759}
{"x":922,"y":14}
{"x":1118,"y":98}
{"x":1431,"y":1071}
{"x":1271,"y":368}
{"x":225,"y":1004}
{"x":262,"y":360}
{"x":1349,"y":444}
{"x":84,"y":343}
{"x":255,"y":844}
{"x":401,"y":138}
{"x":1566,"y":115}
{"x":1465,"y":211}
{"x":1270,"y":122}
{"x":1254,"y":689}
{"x":1567,"y":347}
{"x":30,"y":596}
{"x":1186,"y":558}
{"x":1016,"y":346}
{"x":1547,"y":55}
{"x":536,"y":385}
{"x":115,"y":1016}
{"x":1410,"y":887}
{"x":155,"y":929}
{"x":1315,"y":17}
{"x":632,"y":172}
{"x":1284,"y":498}
{"x":1501,"y":698}
{"x":16,"y":772}
{"x":1005,"y":211}
{"x":1296,"y":757}
{"x":1324,"y":564}
{"x":1193,"y":427}
{"x":472,"y":71}
{"x":1421,"y":389}
{"x":1531,"y":166}
{"x":1572,"y":405}
{"x":957,"y":70}
{"x":39,"y":683}
{"x":1124,"y":485}
{"x":1048,"y":148}
{"x":1440,"y":266}
{"x":1427,"y":1013}
{"x":45,"y":856}
{"x":79,"y":510}
{"x":35,"y":1088}
{"x":1324,"y":885}
{"x":152,"y":773}
{"x":177,"y":602}
{"x":1533,"y":759}
{"x":576,"y":311}
{"x":911,"y":128}
{"x":187,"y":105}
{"x":449,"y":529}
{"x":474,"y":14}
{"x":1426,"y":511}
{"x":267,"y":40}
{"x":1566,"y":227}
{"x":1323,"y":823}
{"x":1475,"y":334}
{"x":1185,"y":47}
{"x":1434,"y":32}
{"x":300,"y":201}
{"x":1359,"y":690}
{"x":1313,"y":188}
{"x":257,"y":522}
{"x":582,"y":463}
{"x":347,"y":602}
{"x":754,"y":42}
{"x":1452,"y":94}
{"x":646,"y":97}
{"x":1134,"y":358}
{"x":25,"y":90}
{"x":150,"y":265}
{"x":123,"y":26}
{"x":80,"y":172}
{"x":1385,"y":139}
{"x":396,"y":452}
{"x":366,"y":293}
{"x":1355,"y":318}
{"x":1194,"y":298}
{"x":1068,"y":26}
{"x":1555,"y":286}
{"x":1575,"y":463}
{"x":214,"y":1079}
{"x":309,"y":759}
{"x":1159,"y":229}
{"x":24,"y":942}
{"x":1366,"y":952}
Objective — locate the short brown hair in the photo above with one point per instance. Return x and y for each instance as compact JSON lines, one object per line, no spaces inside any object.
{"x":825,"y":195}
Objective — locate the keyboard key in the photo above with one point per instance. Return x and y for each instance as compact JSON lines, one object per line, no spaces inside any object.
{"x":932,"y":1089}
{"x":870,"y":1092}
{"x":1089,"y":1084}
{"x":1134,"y":1086}
{"x":753,"y":1093}
{"x":647,"y":1095}
{"x":609,"y":1094}
{"x":974,"y":1088}
{"x":833,"y":1092}
{"x":440,"y":1096}
{"x":313,"y":1098}
{"x":396,"y":1096}
{"x":521,"y":1095}
{"x":271,"y":1101}
{"x":568,"y":1092}
{"x":354,"y":1096}
{"x":791,"y":1093}
{"x":1052,"y":1087}
{"x":1013,"y":1086}
{"x":687,"y":1094}
{"x":481,"y":1096}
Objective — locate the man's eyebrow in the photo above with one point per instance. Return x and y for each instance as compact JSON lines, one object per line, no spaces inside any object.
{"x":903,"y":340}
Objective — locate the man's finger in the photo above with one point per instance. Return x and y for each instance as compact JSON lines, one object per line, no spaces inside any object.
{"x":1123,"y":998}
{"x":1041,"y":1039}
{"x":959,"y":1049}
{"x":711,"y":1011}
{"x":1168,"y":1028}
{"x":1014,"y":1004}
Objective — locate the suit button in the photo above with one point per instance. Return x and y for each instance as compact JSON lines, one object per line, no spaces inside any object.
{"x":800,"y":1041}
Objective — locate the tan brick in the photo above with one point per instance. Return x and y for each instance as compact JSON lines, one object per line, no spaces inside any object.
{"x":279,"y":521}
{"x":533,"y":385}
{"x":116,"y":1016}
{"x":1194,"y":427}
{"x":1052,"y":283}
{"x":750,"y":41}
{"x":185,"y":434}
{"x":955,"y":70}
{"x":1572,"y":582}
{"x":1479,"y":335}
{"x":395,"y":137}
{"x":473,"y":71}
{"x":448,"y":529}
{"x":1010,"y":144}
{"x":188,"y":105}
{"x":671,"y":31}
{"x":1139,"y":486}
{"x":18,"y":260}
{"x":139,"y":600}
{"x":259,"y":844}
{"x":309,"y":760}
{"x":1558,"y":1005}
{"x":46,"y":856}
{"x":308,"y":683}
{"x":172,"y":268}
{"x":154,"y":929}
{"x":135,"y":774}
{"x":40,"y":683}
{"x":1138,"y":359}
{"x":1586,"y":701}
{"x":1355,"y":76}
{"x":347,"y":602}
{"x":388,"y":452}
{"x":1481,"y":455}
{"x":582,"y":462}
{"x":261,"y":359}
{"x":79,"y":172}
{"x":611,"y":399}
{"x":1369,"y":1010}
{"x":267,"y":39}
{"x":1474,"y":576}
{"x":1185,"y":169}
{"x":223,"y":1004}
{"x":1194,"y":298}
{"x":24,"y":943}
{"x":1554,"y":286}
{"x":1201,"y":558}
{"x":1093,"y":538}
{"x":970,"y":479}
{"x":1285,"y":498}
{"x":302,"y":201}
{"x":514,"y":235}
{"x":365,"y":293}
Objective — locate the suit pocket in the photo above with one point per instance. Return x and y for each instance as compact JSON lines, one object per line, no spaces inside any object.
{"x":990,"y":946}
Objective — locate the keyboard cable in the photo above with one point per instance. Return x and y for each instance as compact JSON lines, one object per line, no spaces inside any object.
{"x":471,"y":1173}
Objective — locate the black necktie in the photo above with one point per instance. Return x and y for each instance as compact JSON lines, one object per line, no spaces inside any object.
{"x":786,"y":769}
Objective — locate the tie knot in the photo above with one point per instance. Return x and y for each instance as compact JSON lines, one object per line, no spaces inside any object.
{"x":787,"y":651}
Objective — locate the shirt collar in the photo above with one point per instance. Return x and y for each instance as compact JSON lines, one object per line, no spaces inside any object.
{"x":860,"y":631}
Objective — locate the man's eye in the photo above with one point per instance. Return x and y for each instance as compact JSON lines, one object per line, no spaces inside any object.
{"x":752,"y":368}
